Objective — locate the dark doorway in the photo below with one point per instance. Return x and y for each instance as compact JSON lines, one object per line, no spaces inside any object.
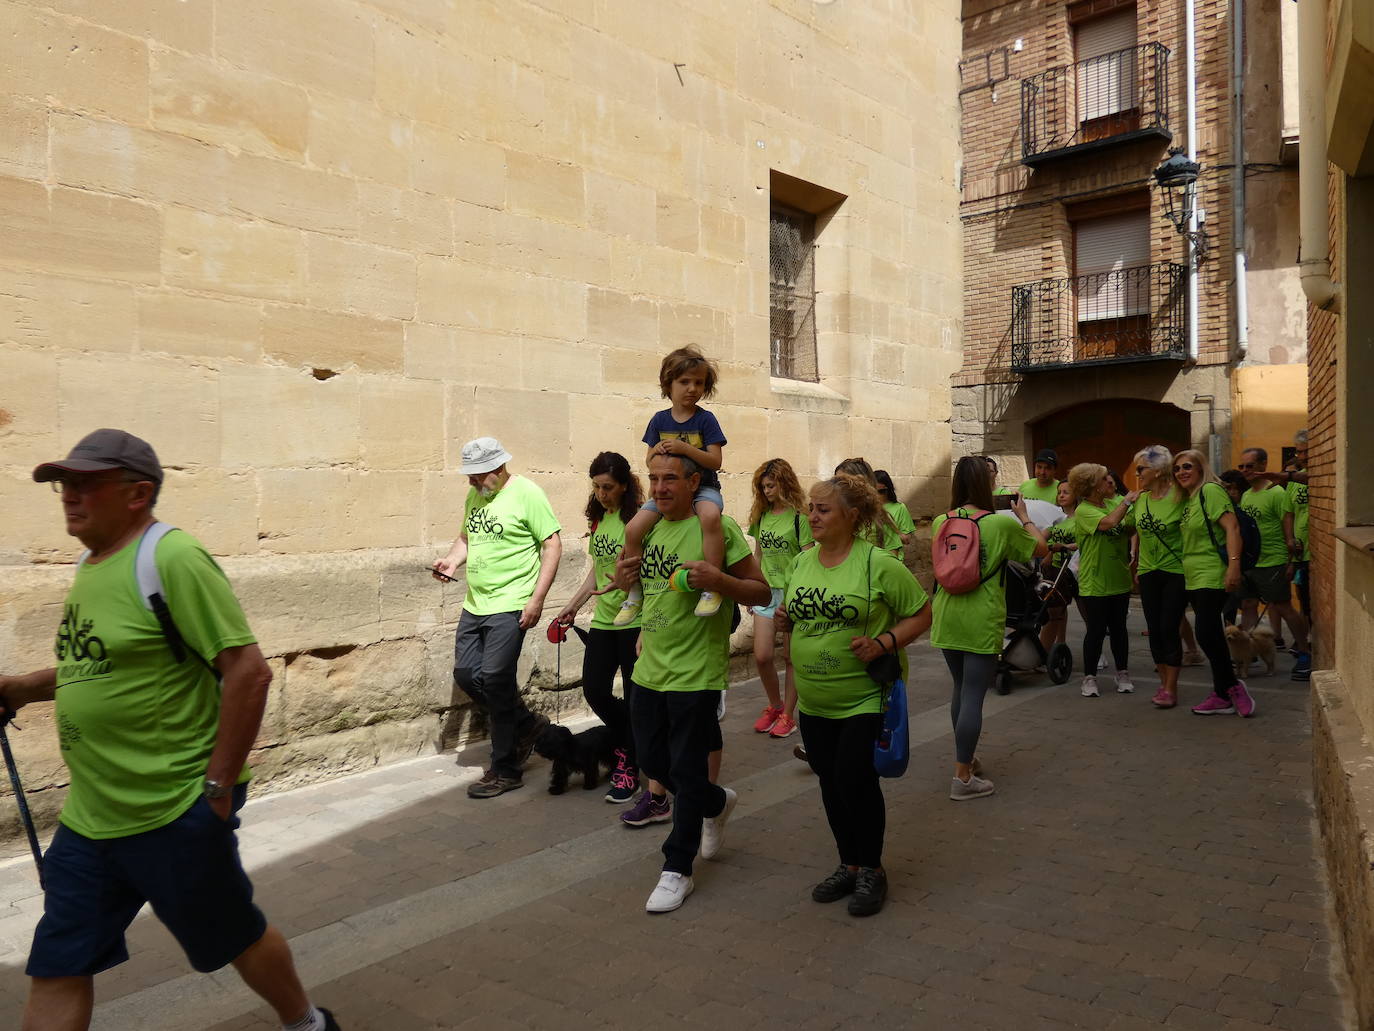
{"x":1111,"y":432}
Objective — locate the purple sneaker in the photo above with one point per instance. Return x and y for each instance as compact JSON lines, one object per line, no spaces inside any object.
{"x":1242,"y":701}
{"x":648,"y":810}
{"x":1215,"y":705}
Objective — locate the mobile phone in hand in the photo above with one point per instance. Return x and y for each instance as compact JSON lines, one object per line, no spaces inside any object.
{"x":442,"y":576}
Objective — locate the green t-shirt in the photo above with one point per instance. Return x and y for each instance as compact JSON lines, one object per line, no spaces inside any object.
{"x":865,"y":595}
{"x":682,"y":651}
{"x":781,"y":537}
{"x":901,"y":518}
{"x":976,"y":621}
{"x":1297,"y":498}
{"x":1156,"y":524}
{"x":1032,"y":489}
{"x":505,"y":533}
{"x":1202,"y":564}
{"x":1268,"y":507}
{"x":135,"y":726}
{"x":604,"y":547}
{"x":884,"y":536}
{"x":1103,"y":555}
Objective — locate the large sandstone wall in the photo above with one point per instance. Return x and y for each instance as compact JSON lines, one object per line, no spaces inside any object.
{"x":308,"y":249}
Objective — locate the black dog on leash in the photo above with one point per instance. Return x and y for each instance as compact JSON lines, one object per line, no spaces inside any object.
{"x":583,"y":753}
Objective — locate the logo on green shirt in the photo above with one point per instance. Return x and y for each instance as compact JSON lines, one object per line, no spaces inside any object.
{"x":819,"y":606}
{"x":86,"y":651}
{"x":480,"y":523}
{"x":658,"y":563}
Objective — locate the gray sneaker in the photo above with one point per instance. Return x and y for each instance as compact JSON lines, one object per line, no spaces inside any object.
{"x":713,"y":828}
{"x":974,"y":787}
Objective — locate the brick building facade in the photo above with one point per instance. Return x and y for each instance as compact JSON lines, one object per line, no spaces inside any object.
{"x":1077,"y":330}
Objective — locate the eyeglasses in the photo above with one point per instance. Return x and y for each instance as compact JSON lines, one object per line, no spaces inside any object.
{"x":87,"y":484}
{"x":1184,"y":465}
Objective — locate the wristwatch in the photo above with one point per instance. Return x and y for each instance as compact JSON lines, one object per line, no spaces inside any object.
{"x":214,"y":789}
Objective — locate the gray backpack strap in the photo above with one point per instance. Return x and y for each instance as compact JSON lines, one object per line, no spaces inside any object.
{"x":145,"y":564}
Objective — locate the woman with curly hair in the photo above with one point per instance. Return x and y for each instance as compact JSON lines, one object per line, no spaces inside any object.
{"x":884,"y":531}
{"x":616,"y":497}
{"x":848,"y":603}
{"x":781,"y":532}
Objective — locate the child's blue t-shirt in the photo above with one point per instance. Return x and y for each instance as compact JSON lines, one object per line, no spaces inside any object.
{"x":701,"y":431}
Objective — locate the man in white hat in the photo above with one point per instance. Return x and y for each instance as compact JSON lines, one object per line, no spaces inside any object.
{"x":510,"y":545}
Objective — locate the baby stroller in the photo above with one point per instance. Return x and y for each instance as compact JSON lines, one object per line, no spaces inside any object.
{"x":1028,"y":598}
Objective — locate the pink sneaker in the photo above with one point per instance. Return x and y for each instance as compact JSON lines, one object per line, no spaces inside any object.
{"x":765,"y":722}
{"x":1215,"y":705}
{"x":784,"y":727}
{"x":1244,"y":704}
{"x":1164,"y":700}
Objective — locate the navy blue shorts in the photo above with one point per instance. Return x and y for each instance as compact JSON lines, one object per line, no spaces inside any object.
{"x":188,"y":871}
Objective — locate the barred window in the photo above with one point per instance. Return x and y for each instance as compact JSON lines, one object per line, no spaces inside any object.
{"x":792,"y":293}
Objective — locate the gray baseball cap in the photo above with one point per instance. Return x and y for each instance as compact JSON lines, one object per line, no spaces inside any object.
{"x":105,"y":449}
{"x":483,"y":455}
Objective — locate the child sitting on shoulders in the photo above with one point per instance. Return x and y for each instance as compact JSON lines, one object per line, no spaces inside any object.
{"x":685,"y":377}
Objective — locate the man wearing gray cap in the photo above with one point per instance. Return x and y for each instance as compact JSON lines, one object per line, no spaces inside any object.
{"x":160,"y":689}
{"x":510,"y":545}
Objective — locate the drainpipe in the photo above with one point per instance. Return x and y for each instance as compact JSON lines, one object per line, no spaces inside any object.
{"x":1238,"y":178}
{"x":1190,"y":19}
{"x":1314,"y":267}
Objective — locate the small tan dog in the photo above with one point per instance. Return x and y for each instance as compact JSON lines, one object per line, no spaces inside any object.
{"x":1245,"y":648}
{"x":1262,"y":647}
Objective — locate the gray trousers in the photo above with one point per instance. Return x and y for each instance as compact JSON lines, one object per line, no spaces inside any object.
{"x":485,"y":652}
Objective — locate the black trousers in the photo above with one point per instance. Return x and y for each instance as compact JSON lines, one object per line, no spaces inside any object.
{"x":1207,"y":603}
{"x":608,"y":651}
{"x":675,"y":732}
{"x":1165,"y":600}
{"x":485,"y":652}
{"x":1105,"y":614}
{"x":841,"y":754}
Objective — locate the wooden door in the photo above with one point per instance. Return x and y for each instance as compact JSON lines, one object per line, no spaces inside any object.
{"x":1111,"y":432}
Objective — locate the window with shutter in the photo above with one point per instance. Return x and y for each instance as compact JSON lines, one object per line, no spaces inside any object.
{"x":1108,"y":77}
{"x":1111,"y":266}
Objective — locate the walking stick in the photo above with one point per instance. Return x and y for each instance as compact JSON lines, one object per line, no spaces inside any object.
{"x":19,"y":798}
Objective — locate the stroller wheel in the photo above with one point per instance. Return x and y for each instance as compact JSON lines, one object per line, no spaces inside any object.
{"x":1060,"y":663}
{"x":1004,"y":682}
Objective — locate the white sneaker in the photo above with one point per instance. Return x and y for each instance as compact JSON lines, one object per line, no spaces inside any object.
{"x":1123,"y":682}
{"x":707,"y":605}
{"x":1089,"y":689}
{"x":1102,"y":662}
{"x":670,"y":893}
{"x":974,"y":787}
{"x":713,"y":829}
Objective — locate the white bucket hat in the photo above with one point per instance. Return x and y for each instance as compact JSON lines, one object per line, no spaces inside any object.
{"x":483,"y":455}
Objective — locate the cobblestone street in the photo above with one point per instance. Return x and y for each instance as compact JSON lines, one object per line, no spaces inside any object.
{"x":1135,"y":869}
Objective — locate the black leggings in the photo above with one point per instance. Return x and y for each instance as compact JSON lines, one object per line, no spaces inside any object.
{"x":609,"y":651}
{"x":973,"y":674}
{"x":1207,"y":603}
{"x":1105,"y":614}
{"x":841,"y":754}
{"x":1165,"y":600}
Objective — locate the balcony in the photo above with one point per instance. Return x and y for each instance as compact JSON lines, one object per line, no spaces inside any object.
{"x":1096,"y":103}
{"x":1106,"y":318}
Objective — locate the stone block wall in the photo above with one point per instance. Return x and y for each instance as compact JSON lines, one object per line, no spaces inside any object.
{"x":309,"y":249}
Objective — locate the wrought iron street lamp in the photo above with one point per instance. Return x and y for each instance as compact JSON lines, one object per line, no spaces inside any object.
{"x":1176,"y":178}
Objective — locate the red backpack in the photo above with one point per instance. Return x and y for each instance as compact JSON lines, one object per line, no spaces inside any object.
{"x":955,"y":552}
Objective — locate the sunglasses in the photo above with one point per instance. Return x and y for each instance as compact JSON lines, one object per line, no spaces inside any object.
{"x":1184,"y":465}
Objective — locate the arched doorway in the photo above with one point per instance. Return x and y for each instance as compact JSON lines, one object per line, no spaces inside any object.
{"x":1111,"y":432}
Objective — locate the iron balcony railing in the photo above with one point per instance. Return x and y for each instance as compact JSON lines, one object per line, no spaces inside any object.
{"x":1118,"y":96}
{"x":1126,"y":315}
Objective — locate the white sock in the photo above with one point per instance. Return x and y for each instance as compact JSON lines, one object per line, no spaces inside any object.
{"x":635,"y":595}
{"x":312,"y":1021}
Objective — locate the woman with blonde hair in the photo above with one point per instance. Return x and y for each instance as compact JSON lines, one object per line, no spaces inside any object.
{"x":1211,"y":570}
{"x":1158,"y":564}
{"x":970,"y":627}
{"x":781,"y":531}
{"x":848,"y":603}
{"x":1104,"y":576}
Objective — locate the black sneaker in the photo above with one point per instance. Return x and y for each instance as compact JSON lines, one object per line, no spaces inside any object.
{"x":493,"y":784}
{"x":330,"y":1024}
{"x":524,"y":745}
{"x":870,"y":892}
{"x":836,"y":886}
{"x":624,"y":780}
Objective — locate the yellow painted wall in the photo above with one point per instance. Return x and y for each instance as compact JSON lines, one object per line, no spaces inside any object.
{"x":1268,"y":406}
